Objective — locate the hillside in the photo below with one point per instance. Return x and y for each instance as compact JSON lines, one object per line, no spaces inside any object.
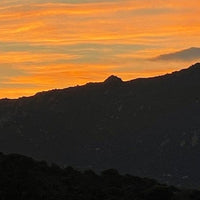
{"x":146,"y":127}
{"x":23,"y":178}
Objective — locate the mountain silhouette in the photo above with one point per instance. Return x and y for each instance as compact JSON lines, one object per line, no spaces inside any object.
{"x":146,"y":127}
{"x":113,"y":80}
{"x":23,"y":178}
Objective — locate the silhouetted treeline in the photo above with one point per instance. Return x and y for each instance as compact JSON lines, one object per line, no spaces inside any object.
{"x":22,"y":178}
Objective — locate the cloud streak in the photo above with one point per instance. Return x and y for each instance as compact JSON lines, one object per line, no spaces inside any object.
{"x":189,"y":54}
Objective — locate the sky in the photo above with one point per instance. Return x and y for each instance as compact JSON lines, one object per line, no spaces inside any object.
{"x":47,"y":44}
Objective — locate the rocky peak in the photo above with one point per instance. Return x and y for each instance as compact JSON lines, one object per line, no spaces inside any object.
{"x":113,"y":80}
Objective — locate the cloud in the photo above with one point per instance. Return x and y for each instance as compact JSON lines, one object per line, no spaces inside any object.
{"x":49,"y":44}
{"x":189,"y":54}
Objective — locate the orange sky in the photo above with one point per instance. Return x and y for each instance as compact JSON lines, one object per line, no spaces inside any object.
{"x":59,"y":43}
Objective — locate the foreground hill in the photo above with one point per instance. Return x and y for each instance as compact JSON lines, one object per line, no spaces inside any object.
{"x":147,"y":127}
{"x":22,"y":178}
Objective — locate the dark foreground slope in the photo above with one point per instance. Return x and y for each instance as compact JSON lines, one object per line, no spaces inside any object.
{"x":147,"y":127}
{"x":22,"y":178}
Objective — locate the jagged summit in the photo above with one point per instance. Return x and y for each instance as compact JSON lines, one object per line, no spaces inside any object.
{"x":113,"y":80}
{"x":191,"y":73}
{"x":195,"y":66}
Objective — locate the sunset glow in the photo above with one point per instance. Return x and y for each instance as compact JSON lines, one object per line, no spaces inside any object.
{"x":60,"y":43}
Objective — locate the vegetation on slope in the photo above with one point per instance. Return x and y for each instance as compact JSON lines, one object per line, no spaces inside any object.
{"x":23,"y":178}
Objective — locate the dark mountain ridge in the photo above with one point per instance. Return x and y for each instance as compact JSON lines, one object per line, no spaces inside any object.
{"x":23,"y":178}
{"x":147,"y":127}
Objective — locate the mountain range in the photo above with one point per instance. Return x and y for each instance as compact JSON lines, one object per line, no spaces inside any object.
{"x":147,"y":127}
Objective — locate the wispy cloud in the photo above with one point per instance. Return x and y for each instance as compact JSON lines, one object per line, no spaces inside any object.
{"x":189,"y":54}
{"x":59,"y":43}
